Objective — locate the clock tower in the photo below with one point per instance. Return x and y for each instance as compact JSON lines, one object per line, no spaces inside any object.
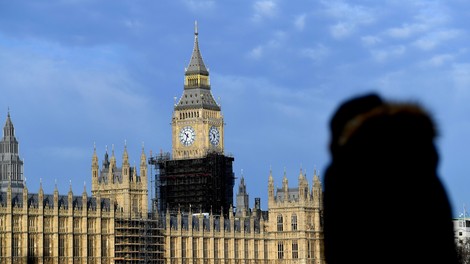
{"x":197,"y":122}
{"x":198,"y":176}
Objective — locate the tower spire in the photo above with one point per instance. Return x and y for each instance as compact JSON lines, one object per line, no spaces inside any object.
{"x":196,"y":64}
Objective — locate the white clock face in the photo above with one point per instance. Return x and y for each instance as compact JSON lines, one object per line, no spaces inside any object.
{"x":187,"y":136}
{"x":214,"y":136}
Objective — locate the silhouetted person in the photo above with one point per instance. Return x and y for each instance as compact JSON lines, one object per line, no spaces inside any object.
{"x":383,"y":200}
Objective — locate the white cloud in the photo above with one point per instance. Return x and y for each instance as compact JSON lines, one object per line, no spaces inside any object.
{"x":264,"y":9}
{"x":461,"y":78}
{"x":433,"y":39}
{"x":342,"y":30}
{"x":299,"y":22}
{"x":317,"y":54}
{"x":438,"y":60}
{"x":256,"y":52}
{"x":64,"y":82}
{"x":406,"y":30}
{"x":370,"y":40}
{"x":383,"y":55}
{"x":349,"y":17}
{"x":197,"y":5}
{"x":272,"y":44}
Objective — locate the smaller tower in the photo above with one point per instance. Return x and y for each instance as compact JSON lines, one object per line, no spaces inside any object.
{"x":11,"y":166}
{"x":270,"y":189}
{"x":303,"y":187}
{"x":242,"y":199}
{"x":94,"y":171}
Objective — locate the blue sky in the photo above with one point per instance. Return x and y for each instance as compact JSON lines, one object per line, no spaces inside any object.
{"x":75,"y":73}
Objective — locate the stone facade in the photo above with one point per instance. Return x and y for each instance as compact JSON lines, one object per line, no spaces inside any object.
{"x":289,"y":232}
{"x":111,"y":226}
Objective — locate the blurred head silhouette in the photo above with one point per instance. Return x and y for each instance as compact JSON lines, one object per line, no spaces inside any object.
{"x":383,"y":200}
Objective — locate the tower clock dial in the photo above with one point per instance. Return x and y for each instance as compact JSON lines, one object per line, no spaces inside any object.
{"x":214,"y":136}
{"x":187,"y":135}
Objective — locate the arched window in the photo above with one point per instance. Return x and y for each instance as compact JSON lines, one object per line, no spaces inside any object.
{"x":280,"y":223}
{"x":294,"y":222}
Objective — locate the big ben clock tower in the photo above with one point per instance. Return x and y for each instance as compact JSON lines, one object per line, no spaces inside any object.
{"x":197,"y":122}
{"x":198,"y":176}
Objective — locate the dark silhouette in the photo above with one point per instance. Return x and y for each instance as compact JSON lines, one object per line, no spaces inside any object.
{"x":383,"y":200}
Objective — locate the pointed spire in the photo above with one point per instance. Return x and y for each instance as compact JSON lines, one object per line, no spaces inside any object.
{"x":196,"y":64}
{"x":270,"y":179}
{"x":125,"y":155}
{"x":94,"y":159}
{"x":8,"y":129}
{"x":301,"y":175}
{"x":106,"y":158}
{"x":285,"y":183}
{"x":143,"y":157}
{"x":113,"y":158}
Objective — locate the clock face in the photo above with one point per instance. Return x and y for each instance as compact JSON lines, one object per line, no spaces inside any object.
{"x":214,"y":136}
{"x":187,"y":135}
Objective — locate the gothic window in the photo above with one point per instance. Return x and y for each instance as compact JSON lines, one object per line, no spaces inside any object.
{"x":91,"y":226}
{"x":104,"y":246}
{"x":294,"y":222}
{"x":90,"y":246}
{"x":76,"y":225}
{"x":194,"y":248}
{"x":32,"y":246}
{"x":62,"y":246}
{"x":226,"y":248}
{"x":265,"y":249}
{"x":295,"y":249}
{"x":184,"y":240}
{"x":76,"y":245}
{"x":205,"y":248}
{"x":246,"y":249}
{"x":62,"y":225}
{"x":47,"y":252}
{"x":172,"y":247}
{"x":16,"y":223}
{"x":16,"y":245}
{"x":216,"y":248}
{"x":280,"y":250}
{"x":236,"y":248}
{"x":280,"y":223}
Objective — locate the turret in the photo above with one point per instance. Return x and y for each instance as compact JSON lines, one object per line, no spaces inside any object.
{"x":126,"y":168}
{"x":11,"y":166}
{"x":84,"y":198}
{"x":144,"y":183}
{"x":242,"y":199}
{"x":56,"y":197}
{"x":317,"y":190}
{"x":270,"y":189}
{"x":94,"y":171}
{"x":70,"y":198}
{"x":285,"y":186}
{"x":303,"y":187}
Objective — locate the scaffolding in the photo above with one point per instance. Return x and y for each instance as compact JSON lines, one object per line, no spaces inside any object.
{"x":139,"y":241}
{"x":204,"y":184}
